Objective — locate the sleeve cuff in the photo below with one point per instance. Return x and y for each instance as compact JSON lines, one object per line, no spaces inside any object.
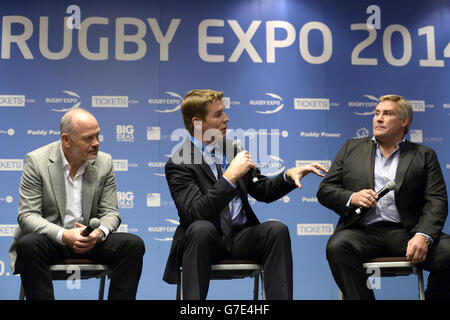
{"x":105,"y":231}
{"x":430,"y":239}
{"x":350,"y":200}
{"x":59,"y":236}
{"x":287,"y":179}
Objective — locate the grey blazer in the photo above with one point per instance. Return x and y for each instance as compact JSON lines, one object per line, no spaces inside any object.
{"x":42,"y":194}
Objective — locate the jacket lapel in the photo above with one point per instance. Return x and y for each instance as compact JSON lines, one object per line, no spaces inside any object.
{"x":406,"y":155}
{"x":88,"y":190}
{"x":56,"y":174}
{"x":368,"y":157}
{"x":197,"y":158}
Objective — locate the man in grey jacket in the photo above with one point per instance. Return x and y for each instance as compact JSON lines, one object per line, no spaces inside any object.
{"x":65,"y":184}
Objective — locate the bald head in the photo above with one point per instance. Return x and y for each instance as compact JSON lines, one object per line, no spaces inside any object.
{"x":79,"y":136}
{"x":72,"y":120}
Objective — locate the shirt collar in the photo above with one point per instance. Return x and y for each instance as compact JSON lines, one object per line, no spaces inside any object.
{"x":399,"y":144}
{"x":66,"y":164}
{"x":205,"y":148}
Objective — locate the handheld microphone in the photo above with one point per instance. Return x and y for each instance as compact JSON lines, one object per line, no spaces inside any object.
{"x":381,"y":193}
{"x":94,"y":223}
{"x":240,"y":148}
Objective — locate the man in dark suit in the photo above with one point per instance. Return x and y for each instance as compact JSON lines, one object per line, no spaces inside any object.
{"x":407,"y":221}
{"x":209,"y":181}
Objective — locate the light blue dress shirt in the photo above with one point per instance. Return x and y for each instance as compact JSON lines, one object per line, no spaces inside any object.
{"x":385,"y":169}
{"x":235,"y":205}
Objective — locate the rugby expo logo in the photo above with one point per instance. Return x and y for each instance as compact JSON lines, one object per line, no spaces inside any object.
{"x":159,"y":166}
{"x":372,"y":102}
{"x":171,"y":104}
{"x":164,"y":229}
{"x":271,"y":165}
{"x":71,"y":101}
{"x":274,"y":105}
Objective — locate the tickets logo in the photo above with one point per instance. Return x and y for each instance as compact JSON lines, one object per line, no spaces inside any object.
{"x":324,"y":163}
{"x":110,"y":101}
{"x":8,"y":100}
{"x":11,"y":164}
{"x":315,"y":229}
{"x":311,"y":104}
{"x":122,"y":164}
{"x":7,"y":230}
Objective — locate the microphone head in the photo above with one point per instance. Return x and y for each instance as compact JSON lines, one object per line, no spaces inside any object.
{"x":238,"y":144}
{"x":94,"y":223}
{"x":391,"y":185}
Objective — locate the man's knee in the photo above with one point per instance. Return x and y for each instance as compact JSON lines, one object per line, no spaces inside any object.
{"x":277,"y":228}
{"x":133,"y":244}
{"x":276,"y":233}
{"x":335,"y":247}
{"x":30,"y":243}
{"x":201,"y":230}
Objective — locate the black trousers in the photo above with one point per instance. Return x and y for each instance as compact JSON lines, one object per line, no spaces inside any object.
{"x":123,"y":253}
{"x":268,"y":244}
{"x":348,"y":249}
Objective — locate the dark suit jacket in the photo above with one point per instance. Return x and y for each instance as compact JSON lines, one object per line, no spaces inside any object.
{"x":420,"y":195}
{"x":199,"y":196}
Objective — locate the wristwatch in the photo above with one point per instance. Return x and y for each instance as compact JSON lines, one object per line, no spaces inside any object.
{"x":101,"y":236}
{"x":428,"y":240}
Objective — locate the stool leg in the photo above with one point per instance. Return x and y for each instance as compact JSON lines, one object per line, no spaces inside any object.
{"x":22,"y":292}
{"x":420,"y":282}
{"x":262,"y":285}
{"x":340,"y":295}
{"x":256,"y":287}
{"x":180,"y":286}
{"x":101,"y":291}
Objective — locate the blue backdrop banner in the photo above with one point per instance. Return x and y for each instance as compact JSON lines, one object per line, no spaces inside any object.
{"x":300,"y":78}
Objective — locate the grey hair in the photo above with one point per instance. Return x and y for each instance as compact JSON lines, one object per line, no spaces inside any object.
{"x":66,"y":124}
{"x":404,"y":106}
